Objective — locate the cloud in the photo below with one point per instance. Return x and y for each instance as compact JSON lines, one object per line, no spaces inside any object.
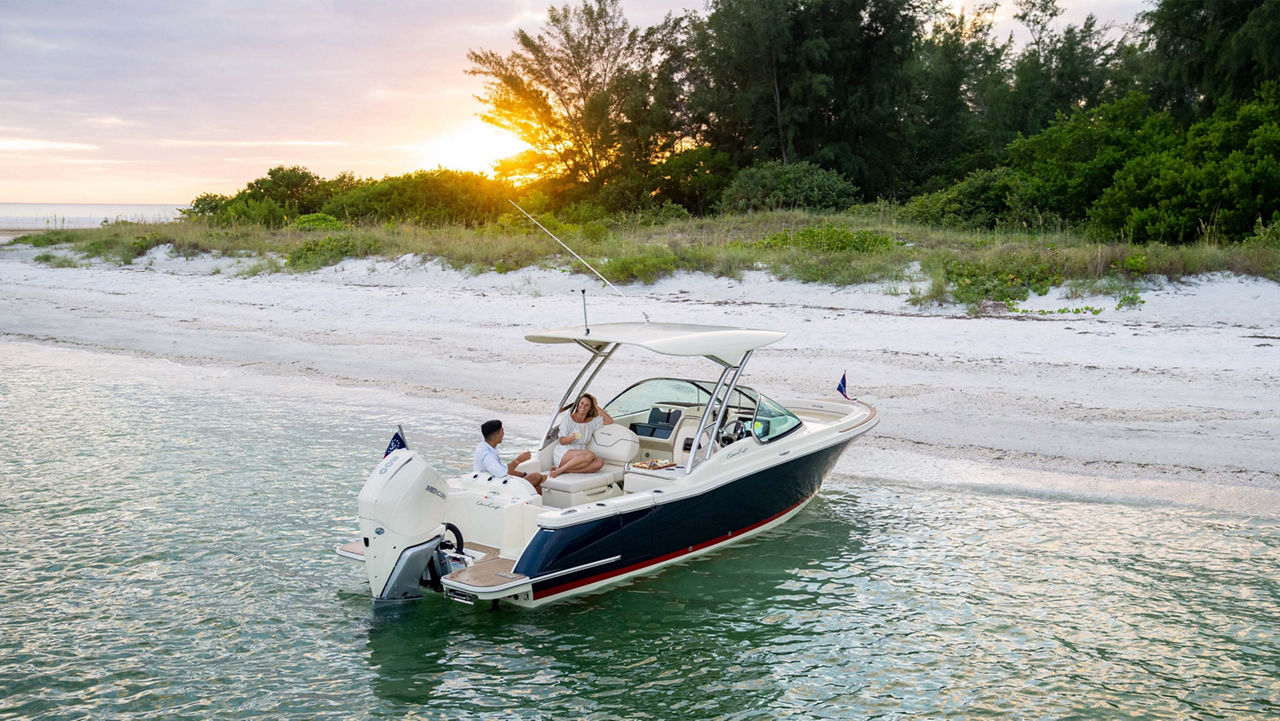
{"x":255,"y":143}
{"x":101,"y":161}
{"x":35,"y":43}
{"x":395,"y":94}
{"x":25,"y":145}
{"x":107,"y":121}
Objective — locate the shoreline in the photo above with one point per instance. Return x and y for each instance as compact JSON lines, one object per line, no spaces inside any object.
{"x":1171,"y":403}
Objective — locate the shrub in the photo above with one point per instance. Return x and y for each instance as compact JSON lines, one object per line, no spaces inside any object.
{"x":317,"y":221}
{"x":206,"y":205}
{"x":775,"y":185}
{"x":693,"y":179}
{"x":582,"y":212}
{"x":1220,"y":176}
{"x":981,"y":200}
{"x":295,"y":188}
{"x":320,"y":252}
{"x":265,"y":212}
{"x":1004,"y":278}
{"x":1264,"y":235}
{"x":1066,"y":167}
{"x":646,"y":265}
{"x":436,"y":197}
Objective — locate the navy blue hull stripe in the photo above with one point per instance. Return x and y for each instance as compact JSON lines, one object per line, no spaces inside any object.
{"x":655,"y":535}
{"x":555,"y":590}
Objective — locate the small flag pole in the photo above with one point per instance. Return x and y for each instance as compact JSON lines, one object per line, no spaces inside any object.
{"x":397,"y":442}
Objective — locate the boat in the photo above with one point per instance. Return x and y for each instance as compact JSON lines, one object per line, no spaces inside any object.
{"x":690,"y":466}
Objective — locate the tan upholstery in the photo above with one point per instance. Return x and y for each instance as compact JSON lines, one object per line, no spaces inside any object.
{"x":613,"y":444}
{"x":685,"y":431}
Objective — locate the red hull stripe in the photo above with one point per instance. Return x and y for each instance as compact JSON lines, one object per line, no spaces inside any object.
{"x":555,"y":590}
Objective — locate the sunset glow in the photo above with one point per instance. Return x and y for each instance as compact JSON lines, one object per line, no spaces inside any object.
{"x":126,"y":106}
{"x":474,"y":145}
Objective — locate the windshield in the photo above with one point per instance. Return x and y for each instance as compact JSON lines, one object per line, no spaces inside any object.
{"x":674,"y":392}
{"x":657,"y":391}
{"x":772,"y":421}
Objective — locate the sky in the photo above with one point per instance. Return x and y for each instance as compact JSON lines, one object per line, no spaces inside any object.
{"x":155,"y":101}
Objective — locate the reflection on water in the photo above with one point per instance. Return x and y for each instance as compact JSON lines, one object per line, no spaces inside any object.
{"x":54,"y":216}
{"x":170,"y":556}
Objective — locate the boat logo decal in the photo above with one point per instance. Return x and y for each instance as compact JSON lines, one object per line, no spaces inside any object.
{"x":436,"y":491}
{"x":379,"y":531}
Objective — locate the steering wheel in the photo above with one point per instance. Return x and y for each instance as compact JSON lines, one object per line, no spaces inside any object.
{"x":735,"y":431}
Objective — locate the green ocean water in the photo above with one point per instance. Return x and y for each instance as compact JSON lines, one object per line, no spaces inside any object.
{"x":169,"y":538}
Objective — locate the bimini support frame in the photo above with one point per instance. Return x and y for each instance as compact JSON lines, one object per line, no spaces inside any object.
{"x":718,"y":412}
{"x":600,"y":354}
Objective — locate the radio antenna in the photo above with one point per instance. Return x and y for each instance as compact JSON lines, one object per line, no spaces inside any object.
{"x":580,"y":259}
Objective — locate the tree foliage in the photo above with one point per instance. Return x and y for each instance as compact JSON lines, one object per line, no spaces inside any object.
{"x":588,"y":93}
{"x":775,"y":185}
{"x":1067,"y":167}
{"x":956,"y":74}
{"x":817,"y":81}
{"x":1158,"y":133}
{"x":1207,"y":51}
{"x":1222,"y":176}
{"x":423,"y":197}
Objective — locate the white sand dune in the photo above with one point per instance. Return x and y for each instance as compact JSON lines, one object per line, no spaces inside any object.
{"x":1173,"y":402}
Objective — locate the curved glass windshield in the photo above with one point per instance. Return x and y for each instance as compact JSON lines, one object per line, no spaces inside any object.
{"x":772,"y":421}
{"x":674,"y":392}
{"x":657,"y":391}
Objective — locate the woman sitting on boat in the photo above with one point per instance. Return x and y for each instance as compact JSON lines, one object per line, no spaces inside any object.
{"x":571,"y":454}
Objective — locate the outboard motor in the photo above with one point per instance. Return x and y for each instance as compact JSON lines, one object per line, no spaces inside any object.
{"x":402,"y":523}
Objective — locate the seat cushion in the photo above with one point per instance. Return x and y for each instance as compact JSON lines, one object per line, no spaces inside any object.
{"x":575,"y":482}
{"x":614,"y":443}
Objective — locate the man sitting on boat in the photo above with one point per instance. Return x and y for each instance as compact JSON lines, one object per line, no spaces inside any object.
{"x":487,"y":460}
{"x":571,"y":454}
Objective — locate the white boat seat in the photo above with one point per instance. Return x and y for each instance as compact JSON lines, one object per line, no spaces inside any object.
{"x":686,"y":429}
{"x":578,"y":482}
{"x":613,"y":444}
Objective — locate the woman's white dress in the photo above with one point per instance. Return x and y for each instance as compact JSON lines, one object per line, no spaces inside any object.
{"x":567,"y":428}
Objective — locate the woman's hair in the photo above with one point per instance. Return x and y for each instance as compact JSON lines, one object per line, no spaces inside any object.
{"x":594,"y":410}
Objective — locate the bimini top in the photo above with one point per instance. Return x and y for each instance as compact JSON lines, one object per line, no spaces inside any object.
{"x":685,"y":339}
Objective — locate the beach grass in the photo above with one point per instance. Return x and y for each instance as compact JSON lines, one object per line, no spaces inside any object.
{"x":57,"y":261}
{"x":865,"y":245}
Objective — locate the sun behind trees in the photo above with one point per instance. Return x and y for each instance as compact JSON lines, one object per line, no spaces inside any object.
{"x":1154,"y":134}
{"x":589,"y":93}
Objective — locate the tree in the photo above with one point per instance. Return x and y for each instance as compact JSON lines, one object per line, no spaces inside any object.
{"x":745,"y":48}
{"x":583,"y":93}
{"x":956,"y":68}
{"x":693,"y":179}
{"x":820,"y":81}
{"x":1057,"y":72}
{"x":1207,"y":51}
{"x":295,"y":189}
{"x":1222,"y":174}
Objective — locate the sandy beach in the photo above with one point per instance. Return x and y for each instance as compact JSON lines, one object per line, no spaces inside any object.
{"x":1172,"y":402}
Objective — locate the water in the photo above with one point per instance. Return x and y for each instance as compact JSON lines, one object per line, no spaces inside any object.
{"x":169,"y":534}
{"x":52,"y":216}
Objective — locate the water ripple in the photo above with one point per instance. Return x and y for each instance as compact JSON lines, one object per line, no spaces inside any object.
{"x":171,"y":558}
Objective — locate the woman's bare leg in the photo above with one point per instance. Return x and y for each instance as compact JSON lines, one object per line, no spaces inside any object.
{"x":577,"y":461}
